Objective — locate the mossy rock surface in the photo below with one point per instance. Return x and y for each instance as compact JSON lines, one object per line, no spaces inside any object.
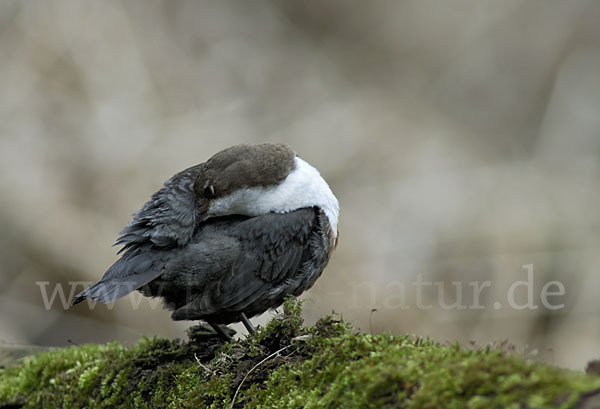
{"x":285,"y":365}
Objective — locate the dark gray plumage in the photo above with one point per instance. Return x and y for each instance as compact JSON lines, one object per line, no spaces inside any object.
{"x":213,"y":254}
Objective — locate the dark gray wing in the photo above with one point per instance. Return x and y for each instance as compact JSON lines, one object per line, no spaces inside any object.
{"x":272,"y":247}
{"x":169,"y":218}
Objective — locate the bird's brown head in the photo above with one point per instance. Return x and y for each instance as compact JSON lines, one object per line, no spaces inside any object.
{"x":242,"y":166}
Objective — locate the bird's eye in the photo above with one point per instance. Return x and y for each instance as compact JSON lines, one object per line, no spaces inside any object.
{"x":209,"y":191}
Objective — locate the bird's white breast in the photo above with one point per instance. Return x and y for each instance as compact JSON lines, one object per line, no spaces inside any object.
{"x":303,"y":187}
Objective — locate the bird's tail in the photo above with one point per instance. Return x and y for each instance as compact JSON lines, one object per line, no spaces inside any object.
{"x":133,"y":270}
{"x":106,"y":292}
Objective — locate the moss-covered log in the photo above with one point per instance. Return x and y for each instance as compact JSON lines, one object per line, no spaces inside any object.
{"x":287,"y":366}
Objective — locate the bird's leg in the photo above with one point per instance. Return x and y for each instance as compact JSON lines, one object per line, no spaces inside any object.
{"x":248,"y":324}
{"x":222,"y":333}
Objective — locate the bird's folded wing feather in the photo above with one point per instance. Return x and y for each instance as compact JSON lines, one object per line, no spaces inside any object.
{"x":271,"y":251}
{"x":169,"y":218}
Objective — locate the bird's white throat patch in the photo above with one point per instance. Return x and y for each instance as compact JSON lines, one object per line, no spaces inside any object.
{"x":303,"y":187}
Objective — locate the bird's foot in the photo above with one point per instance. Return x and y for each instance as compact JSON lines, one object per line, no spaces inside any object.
{"x":251,"y":329}
{"x":224,"y":333}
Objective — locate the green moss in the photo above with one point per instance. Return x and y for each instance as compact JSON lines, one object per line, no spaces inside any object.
{"x":287,"y":366}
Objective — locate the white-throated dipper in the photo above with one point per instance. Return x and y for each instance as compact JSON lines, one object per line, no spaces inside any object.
{"x":227,"y":239}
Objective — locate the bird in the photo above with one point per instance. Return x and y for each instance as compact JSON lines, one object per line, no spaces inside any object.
{"x":227,"y":239}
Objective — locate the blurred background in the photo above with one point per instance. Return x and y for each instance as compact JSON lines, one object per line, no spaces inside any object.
{"x":462,"y":139}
